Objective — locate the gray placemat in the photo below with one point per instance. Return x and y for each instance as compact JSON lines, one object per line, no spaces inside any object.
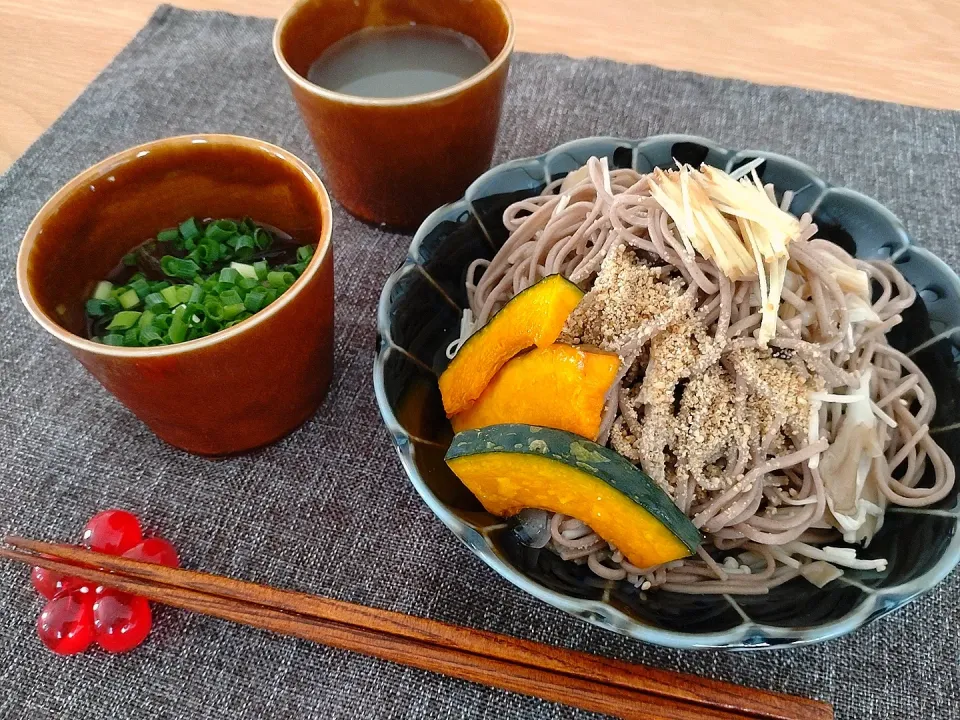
{"x":328,"y":509}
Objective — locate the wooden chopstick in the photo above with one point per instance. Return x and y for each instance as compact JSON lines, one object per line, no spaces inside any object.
{"x":574,"y":678}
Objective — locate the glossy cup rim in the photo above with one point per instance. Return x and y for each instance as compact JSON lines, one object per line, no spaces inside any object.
{"x":489,"y":69}
{"x":101,"y":168}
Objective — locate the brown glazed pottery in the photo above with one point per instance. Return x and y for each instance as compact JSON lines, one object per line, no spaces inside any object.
{"x":395,"y":160}
{"x":231,"y":391}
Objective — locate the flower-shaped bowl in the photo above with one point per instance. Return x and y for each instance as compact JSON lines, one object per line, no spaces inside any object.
{"x":419,"y":316}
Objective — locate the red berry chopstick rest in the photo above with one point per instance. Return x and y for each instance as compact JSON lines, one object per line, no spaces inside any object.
{"x":78,"y":614}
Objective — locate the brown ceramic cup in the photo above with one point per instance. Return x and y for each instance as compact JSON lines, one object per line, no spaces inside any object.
{"x":231,"y":391}
{"x":395,"y":160}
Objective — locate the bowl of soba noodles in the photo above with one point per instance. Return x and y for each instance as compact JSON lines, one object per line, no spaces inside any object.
{"x":690,"y":394}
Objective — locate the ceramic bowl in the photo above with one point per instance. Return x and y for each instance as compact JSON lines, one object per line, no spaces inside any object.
{"x":393,"y":160}
{"x":419,"y":315}
{"x":231,"y":391}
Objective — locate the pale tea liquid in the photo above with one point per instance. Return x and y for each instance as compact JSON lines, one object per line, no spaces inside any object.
{"x":397,"y":61}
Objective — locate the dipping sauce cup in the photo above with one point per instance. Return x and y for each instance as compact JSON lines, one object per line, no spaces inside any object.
{"x":395,"y":160}
{"x":238,"y":388}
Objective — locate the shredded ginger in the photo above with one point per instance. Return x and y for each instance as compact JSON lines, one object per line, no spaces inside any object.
{"x":735,"y":224}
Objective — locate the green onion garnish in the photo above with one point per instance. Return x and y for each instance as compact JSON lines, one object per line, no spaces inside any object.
{"x":229,"y":275}
{"x":255,"y":300}
{"x":247,"y":271}
{"x":124,"y":319}
{"x":231,"y":297}
{"x":103,"y":290}
{"x":129,"y":299}
{"x":213,"y":308}
{"x":150,"y":336}
{"x":141,"y":287}
{"x":175,"y":267}
{"x":189,"y":229}
{"x":280,"y":280}
{"x":214,"y":275}
{"x":146,"y":318}
{"x":169,"y":295}
{"x":98,"y":308}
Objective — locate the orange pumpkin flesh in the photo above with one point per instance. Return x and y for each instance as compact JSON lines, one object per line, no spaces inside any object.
{"x":558,"y":386}
{"x":513,"y":466}
{"x":534,"y":317}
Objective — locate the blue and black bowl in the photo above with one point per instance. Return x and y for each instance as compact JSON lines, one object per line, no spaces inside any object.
{"x":419,"y":316}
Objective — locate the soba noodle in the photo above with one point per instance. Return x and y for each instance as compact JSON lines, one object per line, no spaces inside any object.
{"x":771,"y":493}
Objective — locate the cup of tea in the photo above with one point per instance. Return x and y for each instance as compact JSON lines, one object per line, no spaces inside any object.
{"x":401,"y":97}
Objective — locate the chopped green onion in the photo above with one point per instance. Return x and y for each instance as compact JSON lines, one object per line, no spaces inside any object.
{"x":99,"y":308}
{"x":209,"y":251}
{"x":230,"y":297}
{"x":129,"y":299}
{"x":213,"y":308}
{"x":194,"y":314}
{"x":175,"y":267}
{"x":255,"y":300}
{"x":213,"y":282}
{"x":262,"y":239}
{"x":189,"y":229}
{"x":178,"y":328}
{"x":169,"y":296}
{"x":229,"y":275}
{"x":141,"y":287}
{"x":221,"y":230}
{"x":146,"y":318}
{"x":245,"y":246}
{"x":150,"y":336}
{"x":280,"y":280}
{"x":103,"y":290}
{"x":247,"y":271}
{"x":232,"y":310}
{"x":155,"y":301}
{"x":124,"y":319}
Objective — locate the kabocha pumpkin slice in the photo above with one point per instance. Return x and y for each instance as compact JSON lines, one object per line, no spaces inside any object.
{"x":558,"y":386}
{"x":533,"y":317}
{"x":511,"y":467}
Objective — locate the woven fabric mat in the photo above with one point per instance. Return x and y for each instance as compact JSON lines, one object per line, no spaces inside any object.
{"x":328,"y":510}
